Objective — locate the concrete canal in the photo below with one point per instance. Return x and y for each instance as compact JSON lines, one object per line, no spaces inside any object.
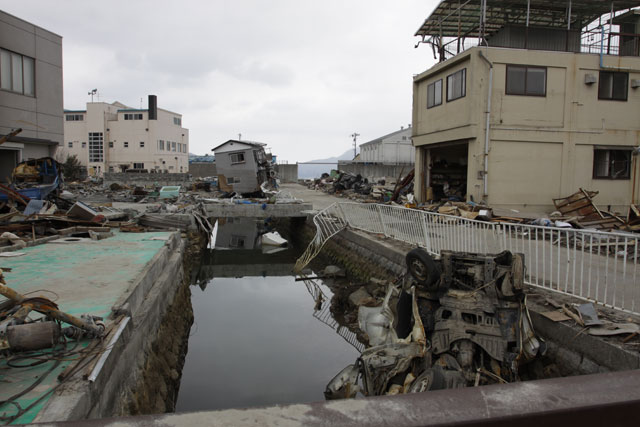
{"x":256,"y":338}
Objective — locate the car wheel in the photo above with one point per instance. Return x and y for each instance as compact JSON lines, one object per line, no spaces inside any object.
{"x":423,"y":267}
{"x":431,"y":379}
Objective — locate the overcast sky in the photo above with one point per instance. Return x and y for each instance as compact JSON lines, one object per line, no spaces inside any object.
{"x":299,"y":75}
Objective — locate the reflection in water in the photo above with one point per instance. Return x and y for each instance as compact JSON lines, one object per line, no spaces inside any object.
{"x":256,"y":339}
{"x":322,"y":312}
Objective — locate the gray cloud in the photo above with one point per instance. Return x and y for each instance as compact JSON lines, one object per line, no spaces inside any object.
{"x":298,"y":74}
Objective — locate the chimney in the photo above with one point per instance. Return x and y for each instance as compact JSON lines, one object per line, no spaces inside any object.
{"x":153,"y":107}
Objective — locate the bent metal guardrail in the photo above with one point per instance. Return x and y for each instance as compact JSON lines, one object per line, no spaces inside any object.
{"x":603,"y":267}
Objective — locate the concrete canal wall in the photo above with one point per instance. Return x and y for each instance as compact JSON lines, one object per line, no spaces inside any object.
{"x":142,"y":372}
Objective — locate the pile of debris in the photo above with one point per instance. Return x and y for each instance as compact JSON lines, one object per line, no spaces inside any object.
{"x":356,"y":187}
{"x":458,"y":321}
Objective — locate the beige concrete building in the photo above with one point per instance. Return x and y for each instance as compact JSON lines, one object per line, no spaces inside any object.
{"x":30,"y":92}
{"x":548,"y":103}
{"x":113,"y":138}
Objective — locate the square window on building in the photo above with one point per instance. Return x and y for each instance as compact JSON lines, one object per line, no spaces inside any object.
{"x":236,"y":158}
{"x":611,"y":163}
{"x":526,"y":80}
{"x":434,"y":94}
{"x":613,"y":85}
{"x":160,"y":144}
{"x":457,"y":85}
{"x":110,"y":144}
{"x":138,"y":165}
{"x":70,"y":144}
{"x":126,"y":144}
{"x":141,"y":144}
{"x":84,"y":145}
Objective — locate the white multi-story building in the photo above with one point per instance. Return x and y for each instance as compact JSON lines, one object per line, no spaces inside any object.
{"x":113,"y":138}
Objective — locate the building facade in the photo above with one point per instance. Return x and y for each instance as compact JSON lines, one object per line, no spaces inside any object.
{"x":30,"y":92}
{"x":115,"y":138}
{"x":394,"y":148}
{"x":534,"y":113}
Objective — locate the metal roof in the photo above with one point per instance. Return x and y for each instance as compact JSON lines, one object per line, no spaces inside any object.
{"x":458,"y":18}
{"x":249,"y":143}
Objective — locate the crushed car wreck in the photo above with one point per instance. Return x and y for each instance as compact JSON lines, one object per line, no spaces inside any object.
{"x":457,"y":321}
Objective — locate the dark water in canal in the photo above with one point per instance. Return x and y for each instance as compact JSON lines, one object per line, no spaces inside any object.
{"x":256,"y":339}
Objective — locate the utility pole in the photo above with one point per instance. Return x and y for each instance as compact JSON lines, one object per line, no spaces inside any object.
{"x":354,"y":136}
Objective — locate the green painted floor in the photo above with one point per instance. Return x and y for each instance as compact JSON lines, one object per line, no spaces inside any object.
{"x":81,"y":277}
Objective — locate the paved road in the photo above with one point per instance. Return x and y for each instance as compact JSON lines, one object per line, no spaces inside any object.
{"x":319,"y":199}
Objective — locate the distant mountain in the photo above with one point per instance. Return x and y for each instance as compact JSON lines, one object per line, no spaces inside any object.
{"x":309,"y":171}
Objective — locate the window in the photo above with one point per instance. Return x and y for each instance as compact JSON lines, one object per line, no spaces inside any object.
{"x":17,"y":73}
{"x":84,"y":145}
{"x":177,"y":121}
{"x":138,"y":165}
{"x":131,"y":116}
{"x":613,"y":85}
{"x":526,"y":80}
{"x":110,"y":144}
{"x":74,"y":117}
{"x":173,"y":146}
{"x":141,"y":144}
{"x":236,"y":158}
{"x":611,"y":163}
{"x":70,"y":144}
{"x":236,"y":241}
{"x":126,"y":144}
{"x":457,"y":85}
{"x":232,"y":180}
{"x":434,"y":94}
{"x":95,"y":147}
{"x":160,"y":144}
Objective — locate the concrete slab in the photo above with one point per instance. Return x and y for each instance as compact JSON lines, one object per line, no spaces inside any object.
{"x":81,"y":277}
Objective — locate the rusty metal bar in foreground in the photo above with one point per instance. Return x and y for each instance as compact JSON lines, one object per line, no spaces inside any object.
{"x":611,"y":399}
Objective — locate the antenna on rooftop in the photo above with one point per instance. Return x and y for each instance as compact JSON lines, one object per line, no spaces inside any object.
{"x":239,"y":137}
{"x":92,"y":92}
{"x":354,"y":136}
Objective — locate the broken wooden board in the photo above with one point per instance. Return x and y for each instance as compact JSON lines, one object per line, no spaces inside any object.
{"x":580,"y":204}
{"x":555,"y":316}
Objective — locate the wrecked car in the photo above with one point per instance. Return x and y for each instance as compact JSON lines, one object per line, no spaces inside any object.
{"x":456,"y":321}
{"x":34,"y":179}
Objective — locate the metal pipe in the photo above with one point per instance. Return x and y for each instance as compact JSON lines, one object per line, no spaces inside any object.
{"x":103,"y":358}
{"x":485,"y":173}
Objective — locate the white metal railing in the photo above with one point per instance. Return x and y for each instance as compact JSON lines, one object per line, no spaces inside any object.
{"x":603,"y":267}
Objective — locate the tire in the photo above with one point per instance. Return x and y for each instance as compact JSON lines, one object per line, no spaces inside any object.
{"x":423,"y":268}
{"x":431,"y":379}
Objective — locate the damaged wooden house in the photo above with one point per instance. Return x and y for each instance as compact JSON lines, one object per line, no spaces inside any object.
{"x":242,"y":166}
